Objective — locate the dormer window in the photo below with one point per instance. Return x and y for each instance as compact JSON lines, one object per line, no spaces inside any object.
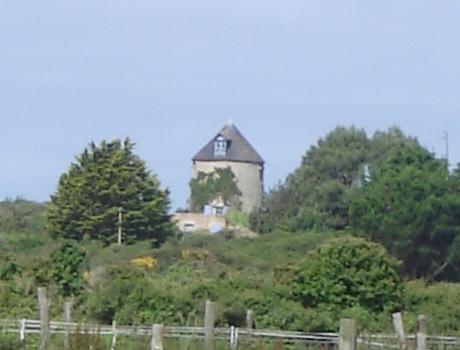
{"x":220,"y":146}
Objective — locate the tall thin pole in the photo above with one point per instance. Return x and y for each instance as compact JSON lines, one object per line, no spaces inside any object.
{"x":446,"y":140}
{"x":120,"y":223}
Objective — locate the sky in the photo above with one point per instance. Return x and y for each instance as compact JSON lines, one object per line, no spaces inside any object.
{"x":169,"y":74}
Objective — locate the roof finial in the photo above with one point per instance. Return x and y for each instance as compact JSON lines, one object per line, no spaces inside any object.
{"x":230,"y":120}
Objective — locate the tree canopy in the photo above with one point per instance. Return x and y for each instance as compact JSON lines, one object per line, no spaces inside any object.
{"x":317,"y":192}
{"x":386,"y":188}
{"x":411,"y":205}
{"x":348,"y":272}
{"x":104,"y":178}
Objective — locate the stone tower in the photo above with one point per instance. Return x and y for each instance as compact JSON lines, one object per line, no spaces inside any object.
{"x":229,"y":148}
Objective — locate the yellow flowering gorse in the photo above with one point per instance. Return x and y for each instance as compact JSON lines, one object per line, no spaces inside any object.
{"x":148,"y":262}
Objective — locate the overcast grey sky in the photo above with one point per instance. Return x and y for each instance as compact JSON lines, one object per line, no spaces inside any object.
{"x":170,"y":73}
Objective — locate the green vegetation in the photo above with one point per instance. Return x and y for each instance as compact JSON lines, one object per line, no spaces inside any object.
{"x":412,"y":207}
{"x":348,"y":272}
{"x":316,"y":194}
{"x":140,"y":284}
{"x":103,"y":179}
{"x":387,"y":188}
{"x":67,"y":268}
{"x":365,"y":226}
{"x":220,"y":184}
{"x":21,"y":215}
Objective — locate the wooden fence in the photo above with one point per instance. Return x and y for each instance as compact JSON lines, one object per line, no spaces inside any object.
{"x":232,"y":335}
{"x":346,"y":339}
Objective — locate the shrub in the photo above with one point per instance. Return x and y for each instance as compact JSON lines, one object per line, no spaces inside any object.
{"x":67,"y":266}
{"x":348,"y":272}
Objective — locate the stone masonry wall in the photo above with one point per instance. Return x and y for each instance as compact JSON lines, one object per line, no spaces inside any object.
{"x":249,"y":179}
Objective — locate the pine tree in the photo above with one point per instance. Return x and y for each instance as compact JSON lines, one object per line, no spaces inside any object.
{"x":104,"y":178}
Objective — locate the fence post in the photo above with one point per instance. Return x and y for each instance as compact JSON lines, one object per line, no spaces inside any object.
{"x":22,"y":334}
{"x":421,"y":334}
{"x":233,"y":344}
{"x":157,"y":337}
{"x":347,"y":334}
{"x":114,"y":335}
{"x":399,"y":330}
{"x":249,"y":326}
{"x":67,"y":319}
{"x":249,"y":319}
{"x":209,"y":322}
{"x":44,"y":318}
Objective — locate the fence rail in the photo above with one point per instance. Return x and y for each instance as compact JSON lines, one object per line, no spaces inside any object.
{"x":390,"y":341}
{"x":346,"y":339}
{"x":232,"y":334}
{"x":26,"y":326}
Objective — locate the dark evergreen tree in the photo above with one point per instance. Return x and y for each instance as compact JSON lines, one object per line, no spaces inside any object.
{"x":104,"y":178}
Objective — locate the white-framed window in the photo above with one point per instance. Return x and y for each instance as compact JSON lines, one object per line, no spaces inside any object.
{"x":220,"y":146}
{"x":219,"y":211}
{"x":189,"y":227}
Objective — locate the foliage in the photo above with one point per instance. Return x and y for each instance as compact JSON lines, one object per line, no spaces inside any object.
{"x":316,"y":194}
{"x":347,"y":272}
{"x":67,"y":266}
{"x":147,"y":262}
{"x":319,"y":192}
{"x":439,"y":302}
{"x":386,"y":188}
{"x":104,"y":178}
{"x":21,"y":215}
{"x":237,"y":218}
{"x":8,"y":266}
{"x":129,"y":296}
{"x":16,"y":300}
{"x":219,"y":184}
{"x":236,"y":273}
{"x":411,"y":205}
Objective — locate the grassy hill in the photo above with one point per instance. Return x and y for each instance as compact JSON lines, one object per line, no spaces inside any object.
{"x":140,"y":284}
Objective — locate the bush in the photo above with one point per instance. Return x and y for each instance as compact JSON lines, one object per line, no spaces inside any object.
{"x":439,"y":302}
{"x":348,"y":272}
{"x":8,"y":266}
{"x":67,"y":266}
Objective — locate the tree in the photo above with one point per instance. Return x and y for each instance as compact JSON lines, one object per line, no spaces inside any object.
{"x":104,"y":178}
{"x":411,"y":205}
{"x":219,"y":184}
{"x":317,"y":192}
{"x":348,"y":272}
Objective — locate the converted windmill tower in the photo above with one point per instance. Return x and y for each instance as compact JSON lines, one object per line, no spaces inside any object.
{"x":229,"y":148}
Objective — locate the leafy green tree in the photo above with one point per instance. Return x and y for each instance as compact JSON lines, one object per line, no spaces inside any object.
{"x":103,"y":178}
{"x":411,"y":205}
{"x":317,"y":192}
{"x":67,"y":265}
{"x":348,"y":272}
{"x":219,"y":184}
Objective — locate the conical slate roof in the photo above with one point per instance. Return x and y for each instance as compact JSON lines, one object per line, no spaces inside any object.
{"x":238,"y":148}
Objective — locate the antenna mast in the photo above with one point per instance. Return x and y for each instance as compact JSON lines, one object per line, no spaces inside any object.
{"x":446,"y":140}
